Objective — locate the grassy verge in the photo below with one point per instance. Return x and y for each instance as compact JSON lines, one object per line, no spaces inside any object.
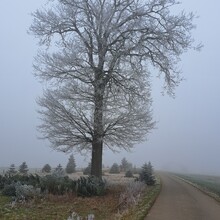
{"x":140,"y":211}
{"x":208,"y":184}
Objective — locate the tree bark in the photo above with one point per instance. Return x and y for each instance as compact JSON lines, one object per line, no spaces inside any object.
{"x":97,"y":144}
{"x":96,"y":164}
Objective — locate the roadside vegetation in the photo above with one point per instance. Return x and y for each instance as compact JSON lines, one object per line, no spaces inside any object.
{"x":208,"y":184}
{"x":141,"y":210}
{"x":55,"y":194}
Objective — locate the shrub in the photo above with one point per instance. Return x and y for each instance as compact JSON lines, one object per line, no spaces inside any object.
{"x":131,"y":195}
{"x":46,"y":168}
{"x":25,"y":179}
{"x":8,"y":179}
{"x":12,"y":169}
{"x":115,"y":168}
{"x":9,"y":190}
{"x":3,"y":181}
{"x":26,"y":192}
{"x":128,"y":173}
{"x":57,"y":185}
{"x":34,"y":180}
{"x":30,"y":186}
{"x":90,"y":186}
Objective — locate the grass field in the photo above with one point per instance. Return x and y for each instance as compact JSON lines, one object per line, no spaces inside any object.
{"x":209,"y":184}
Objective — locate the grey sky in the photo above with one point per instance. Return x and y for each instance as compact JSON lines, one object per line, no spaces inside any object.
{"x":187,"y":137}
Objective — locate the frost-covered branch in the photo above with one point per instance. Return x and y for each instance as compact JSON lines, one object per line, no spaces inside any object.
{"x":96,"y":62}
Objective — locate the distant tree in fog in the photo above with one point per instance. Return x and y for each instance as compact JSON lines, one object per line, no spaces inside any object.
{"x":12,"y":169}
{"x":46,"y":168}
{"x":114,"y":168}
{"x":125,"y":165}
{"x":59,"y":171}
{"x":23,"y":168}
{"x":71,"y":165}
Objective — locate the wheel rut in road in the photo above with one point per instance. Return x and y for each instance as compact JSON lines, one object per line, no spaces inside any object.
{"x":179,"y":200}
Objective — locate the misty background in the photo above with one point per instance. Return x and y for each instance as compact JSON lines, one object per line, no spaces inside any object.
{"x":187,"y":137}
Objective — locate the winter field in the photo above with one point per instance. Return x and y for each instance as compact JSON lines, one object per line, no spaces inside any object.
{"x":209,"y":184}
{"x":124,"y":199}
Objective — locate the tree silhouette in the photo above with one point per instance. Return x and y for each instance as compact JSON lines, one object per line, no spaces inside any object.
{"x":23,"y":168}
{"x":71,"y":165}
{"x":146,"y":174}
{"x":97,"y":64}
{"x":12,"y":169}
{"x":114,"y":168}
{"x":46,"y":168}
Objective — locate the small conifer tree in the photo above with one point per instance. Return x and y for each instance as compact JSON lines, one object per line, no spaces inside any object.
{"x":46,"y":168}
{"x":71,"y":165}
{"x":115,"y":168}
{"x":59,"y":171}
{"x":128,"y":173}
{"x":146,"y":174}
{"x":12,"y":169}
{"x":124,"y":164}
{"x":23,"y":168}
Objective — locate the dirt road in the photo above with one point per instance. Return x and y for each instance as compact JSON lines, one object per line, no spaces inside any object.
{"x":181,"y":201}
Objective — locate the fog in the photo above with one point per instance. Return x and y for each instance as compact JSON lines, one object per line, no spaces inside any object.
{"x":187,"y":137}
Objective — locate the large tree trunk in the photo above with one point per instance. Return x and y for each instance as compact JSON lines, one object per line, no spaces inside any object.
{"x":96,"y":164}
{"x":97,"y":144}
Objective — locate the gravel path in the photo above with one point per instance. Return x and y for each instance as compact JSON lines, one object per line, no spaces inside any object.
{"x":180,"y":201}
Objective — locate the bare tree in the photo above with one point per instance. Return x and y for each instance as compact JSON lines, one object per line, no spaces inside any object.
{"x":96,"y":67}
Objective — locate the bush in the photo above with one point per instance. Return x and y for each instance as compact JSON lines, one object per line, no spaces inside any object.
{"x":26,"y":192}
{"x":8,"y":179}
{"x":129,"y":173}
{"x":3,"y":181}
{"x":115,"y":168}
{"x":26,"y":179}
{"x":12,"y":169}
{"x":29,"y":186}
{"x":90,"y":186}
{"x":46,"y":168}
{"x":131,"y":195}
{"x":21,"y":191}
{"x":9,"y":190}
{"x":57,"y":185}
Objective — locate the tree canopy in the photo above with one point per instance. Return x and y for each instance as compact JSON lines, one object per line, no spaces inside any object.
{"x":97,"y":65}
